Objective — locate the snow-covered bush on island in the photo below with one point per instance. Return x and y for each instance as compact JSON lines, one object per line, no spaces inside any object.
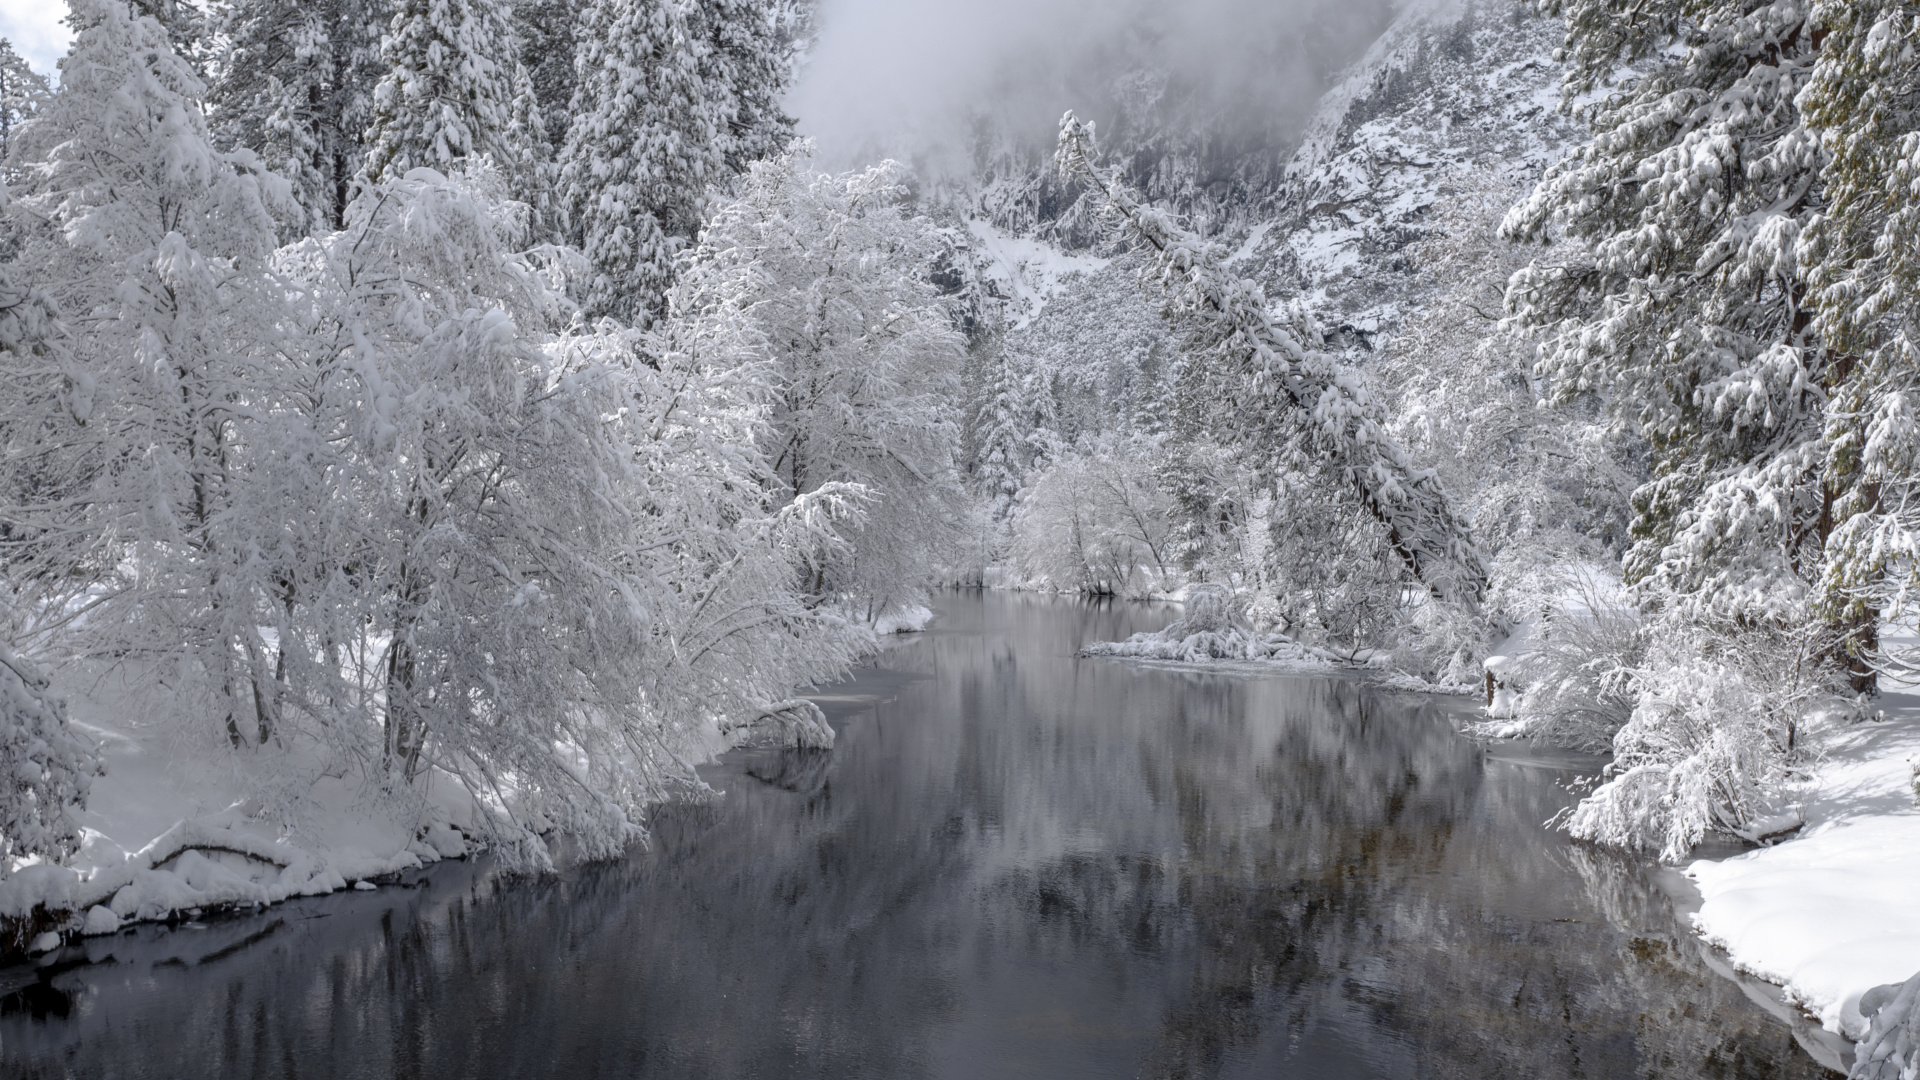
{"x":1213,"y":627}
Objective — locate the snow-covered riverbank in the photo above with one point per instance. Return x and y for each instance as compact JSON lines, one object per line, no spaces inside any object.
{"x":1835,"y":911}
{"x":169,"y":832}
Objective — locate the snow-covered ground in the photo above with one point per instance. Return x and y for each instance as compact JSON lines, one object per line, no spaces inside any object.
{"x":1835,"y":911}
{"x":168,"y":832}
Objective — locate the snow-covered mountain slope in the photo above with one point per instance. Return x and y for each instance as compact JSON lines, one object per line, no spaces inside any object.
{"x":1448,"y":92}
{"x":1453,"y":96}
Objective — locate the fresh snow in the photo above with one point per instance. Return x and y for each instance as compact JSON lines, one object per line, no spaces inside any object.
{"x":1835,"y":911}
{"x":167,"y":832}
{"x":1029,"y":271}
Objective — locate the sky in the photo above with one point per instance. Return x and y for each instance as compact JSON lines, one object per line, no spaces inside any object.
{"x":36,"y":31}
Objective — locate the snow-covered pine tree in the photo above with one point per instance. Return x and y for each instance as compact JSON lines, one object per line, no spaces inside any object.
{"x":670,"y":97}
{"x":1685,"y":309}
{"x":834,"y":271}
{"x":547,"y":31}
{"x":187,"y":25}
{"x":1863,"y":271}
{"x":156,"y":247}
{"x":22,"y":92}
{"x":293,"y":81}
{"x":1699,"y":203}
{"x":749,"y":61}
{"x":1279,"y":398}
{"x":449,"y":96}
{"x":644,"y":143}
{"x":1013,"y":430}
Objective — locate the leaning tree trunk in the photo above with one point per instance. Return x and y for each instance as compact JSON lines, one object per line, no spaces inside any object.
{"x":1278,"y":380}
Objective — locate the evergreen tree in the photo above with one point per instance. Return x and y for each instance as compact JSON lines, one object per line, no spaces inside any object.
{"x":1864,"y":276}
{"x":22,"y":92}
{"x":452,"y":93}
{"x":294,"y":83}
{"x":644,"y":143}
{"x":548,"y":31}
{"x":1013,"y":431}
{"x":670,"y":97}
{"x":748,"y":61}
{"x":1686,"y":309}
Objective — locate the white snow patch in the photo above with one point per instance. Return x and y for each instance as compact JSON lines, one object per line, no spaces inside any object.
{"x":1835,"y":911}
{"x":1029,"y":270}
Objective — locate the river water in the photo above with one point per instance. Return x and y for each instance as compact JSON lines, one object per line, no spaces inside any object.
{"x":1016,"y":863}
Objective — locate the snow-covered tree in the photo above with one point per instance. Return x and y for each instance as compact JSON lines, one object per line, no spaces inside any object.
{"x":1013,"y":429}
{"x":1095,"y":523}
{"x":49,"y":767}
{"x":22,"y":92}
{"x":547,"y":30}
{"x":670,"y":97}
{"x":450,"y":93}
{"x":835,"y":273}
{"x":293,"y":81}
{"x":748,"y":61}
{"x":1863,"y":273}
{"x":643,"y":145}
{"x":1266,"y":389}
{"x":1683,"y":305}
{"x":155,"y":246}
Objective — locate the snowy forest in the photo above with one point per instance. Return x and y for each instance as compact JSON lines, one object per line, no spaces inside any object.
{"x":496,"y":408}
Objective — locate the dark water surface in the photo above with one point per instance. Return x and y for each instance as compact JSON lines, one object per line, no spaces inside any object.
{"x":1015,"y":864}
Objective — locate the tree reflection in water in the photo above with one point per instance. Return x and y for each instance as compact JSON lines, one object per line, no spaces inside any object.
{"x":1015,"y":863}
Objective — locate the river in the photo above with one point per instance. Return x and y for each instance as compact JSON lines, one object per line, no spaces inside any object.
{"x":1015,"y":863}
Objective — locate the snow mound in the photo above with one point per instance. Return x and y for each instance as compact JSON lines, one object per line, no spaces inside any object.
{"x":908,"y":620}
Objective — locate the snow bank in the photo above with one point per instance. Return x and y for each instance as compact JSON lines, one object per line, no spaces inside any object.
{"x":167,"y":833}
{"x":1835,"y":912}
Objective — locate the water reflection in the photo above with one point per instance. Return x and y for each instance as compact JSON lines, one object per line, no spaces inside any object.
{"x":1014,"y":864}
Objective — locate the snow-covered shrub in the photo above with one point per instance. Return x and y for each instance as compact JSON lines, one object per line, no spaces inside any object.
{"x":1094,"y":523}
{"x":1568,"y":676}
{"x":46,"y":768}
{"x":1713,"y":740}
{"x":1213,"y":627}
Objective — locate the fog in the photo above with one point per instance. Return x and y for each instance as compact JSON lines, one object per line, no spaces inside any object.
{"x":916,"y":77}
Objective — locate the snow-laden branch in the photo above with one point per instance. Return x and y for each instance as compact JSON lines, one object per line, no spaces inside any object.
{"x":1276,"y":381}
